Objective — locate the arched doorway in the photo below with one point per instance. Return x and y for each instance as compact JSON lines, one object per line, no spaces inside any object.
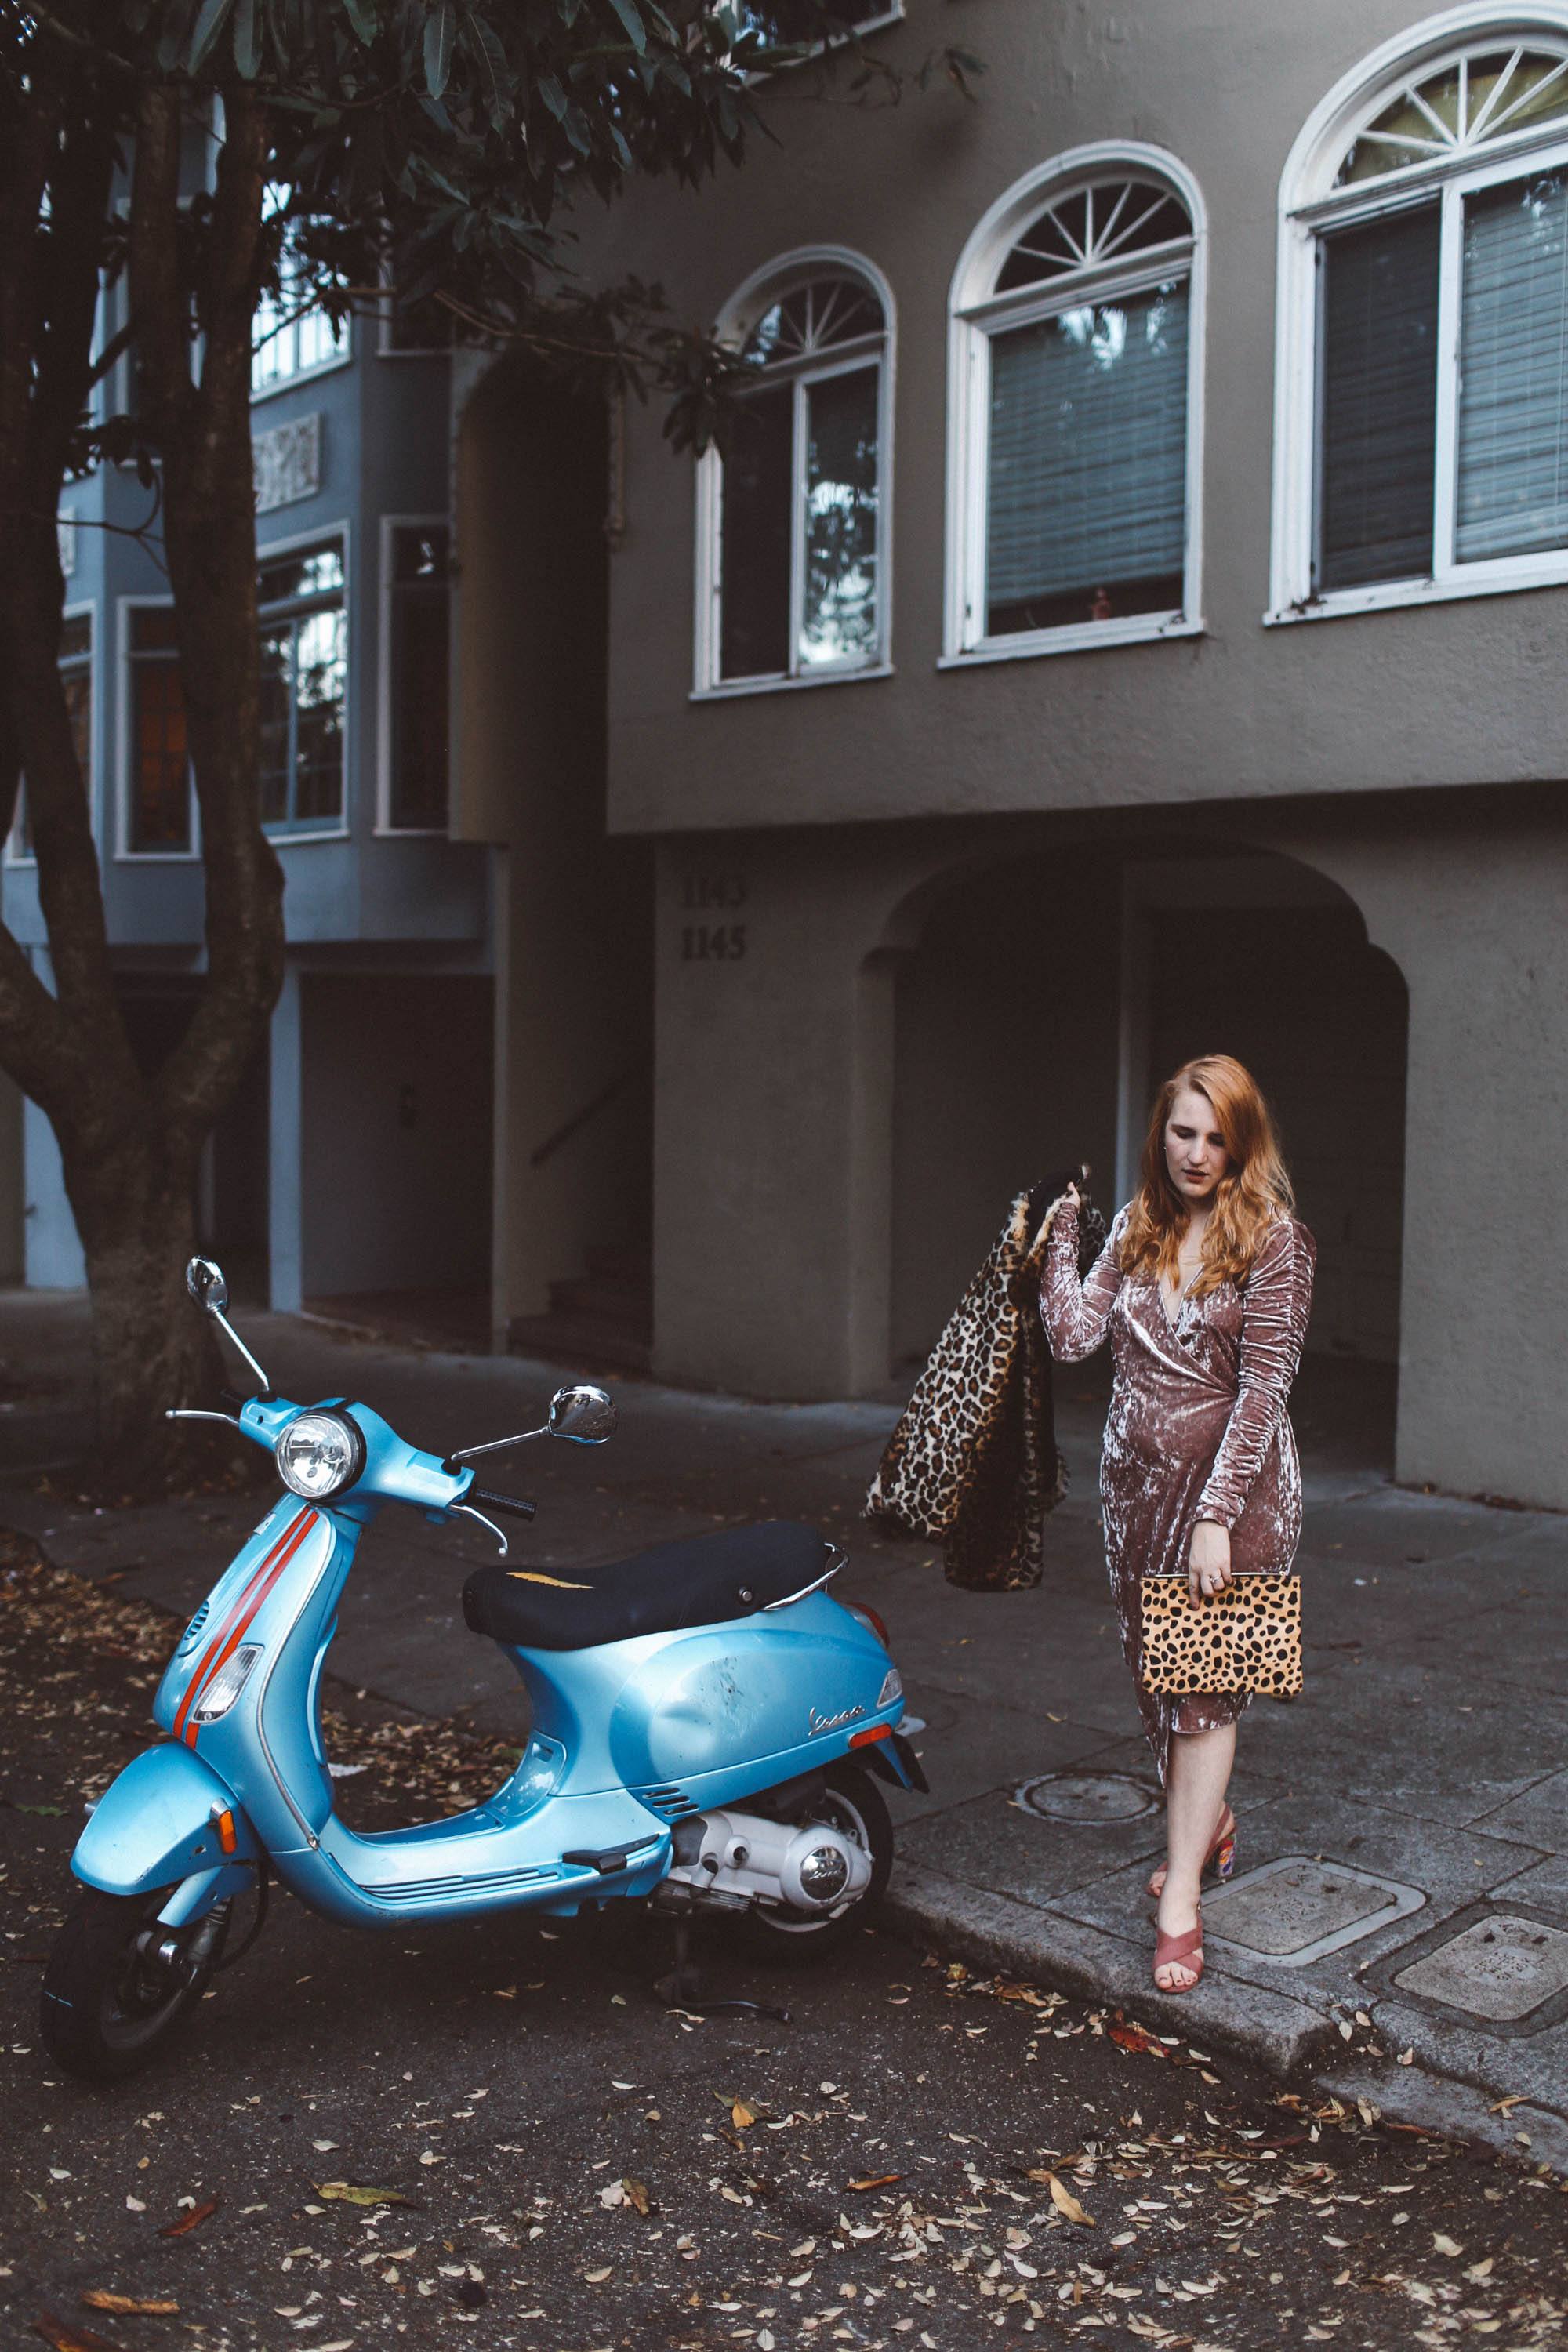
{"x":1045,"y":998}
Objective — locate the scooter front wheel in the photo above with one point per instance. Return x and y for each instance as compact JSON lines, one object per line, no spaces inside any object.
{"x":108,"y":2005}
{"x":852,"y":1804}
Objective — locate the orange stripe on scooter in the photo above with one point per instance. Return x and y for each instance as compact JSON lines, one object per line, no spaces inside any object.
{"x":243,"y":1627}
{"x":301,"y":1520}
{"x":297,"y":1537}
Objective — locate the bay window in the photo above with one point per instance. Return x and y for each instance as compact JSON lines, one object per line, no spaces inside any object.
{"x":304,"y":688}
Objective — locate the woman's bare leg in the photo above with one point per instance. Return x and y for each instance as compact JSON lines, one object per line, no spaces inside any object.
{"x":1198,"y":1777}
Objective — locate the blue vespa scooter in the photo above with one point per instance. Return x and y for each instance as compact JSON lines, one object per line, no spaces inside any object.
{"x":704,"y":1723}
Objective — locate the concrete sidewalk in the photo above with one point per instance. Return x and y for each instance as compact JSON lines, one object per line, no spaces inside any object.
{"x":1403,"y":1825}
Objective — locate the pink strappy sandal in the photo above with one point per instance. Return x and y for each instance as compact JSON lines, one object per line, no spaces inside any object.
{"x":1218,"y":1862}
{"x":1185,"y":1951}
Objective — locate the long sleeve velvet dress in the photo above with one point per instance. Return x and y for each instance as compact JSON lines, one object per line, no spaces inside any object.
{"x":1197,"y":1427}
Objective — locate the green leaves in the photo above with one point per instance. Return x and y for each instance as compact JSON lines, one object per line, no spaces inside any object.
{"x":209,"y":23}
{"x":440,"y":28}
{"x":626,"y":11}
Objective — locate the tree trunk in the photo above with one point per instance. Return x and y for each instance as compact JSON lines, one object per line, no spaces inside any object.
{"x":151,"y":1347}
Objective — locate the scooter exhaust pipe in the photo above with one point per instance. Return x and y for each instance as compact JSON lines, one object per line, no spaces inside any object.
{"x":729,"y":1856}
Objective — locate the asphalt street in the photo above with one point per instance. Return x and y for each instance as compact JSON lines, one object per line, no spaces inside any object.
{"x":501,"y":2135}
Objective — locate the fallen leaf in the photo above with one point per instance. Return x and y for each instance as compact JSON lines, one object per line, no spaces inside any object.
{"x":1444,"y":2245}
{"x":740,"y":2114}
{"x":637,"y":2195}
{"x":1506,"y":2106}
{"x":191,"y":2221}
{"x":1132,"y":2037}
{"x":66,"y":2336}
{"x":1480,"y":2271}
{"x":597,"y":2278}
{"x":349,"y":2192}
{"x":100,"y":2298}
{"x":877,"y":2180}
{"x":1066,"y":2202}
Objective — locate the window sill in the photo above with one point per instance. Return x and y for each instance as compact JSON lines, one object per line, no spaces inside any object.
{"x":1393,"y":595}
{"x":1090,"y":637}
{"x":157,"y":857}
{"x":282,"y":836}
{"x":733,"y":687}
{"x":410,"y":833}
{"x":301,"y":375}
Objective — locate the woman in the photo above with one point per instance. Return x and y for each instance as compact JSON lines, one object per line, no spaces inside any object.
{"x":1205,"y":1284}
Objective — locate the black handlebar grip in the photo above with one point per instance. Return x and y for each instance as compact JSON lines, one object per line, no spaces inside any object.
{"x":516,"y":1503}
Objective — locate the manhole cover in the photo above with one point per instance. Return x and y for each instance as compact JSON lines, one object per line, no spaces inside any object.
{"x":1499,"y":1968}
{"x":1087,"y":1797}
{"x":1296,"y":1910}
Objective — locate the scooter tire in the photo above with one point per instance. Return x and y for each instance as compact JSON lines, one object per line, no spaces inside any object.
{"x":792,"y":1938}
{"x":102,"y":2014}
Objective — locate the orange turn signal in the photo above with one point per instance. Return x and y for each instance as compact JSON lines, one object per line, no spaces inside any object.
{"x":227,"y":1835}
{"x":875,"y":1731}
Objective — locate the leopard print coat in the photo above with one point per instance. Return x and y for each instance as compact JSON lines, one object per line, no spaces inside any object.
{"x":972,"y":1463}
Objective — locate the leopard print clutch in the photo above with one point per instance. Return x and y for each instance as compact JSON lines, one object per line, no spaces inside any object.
{"x":1247,"y":1638}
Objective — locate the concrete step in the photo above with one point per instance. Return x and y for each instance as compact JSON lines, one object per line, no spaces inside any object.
{"x":602,"y":1299}
{"x":581,"y":1343}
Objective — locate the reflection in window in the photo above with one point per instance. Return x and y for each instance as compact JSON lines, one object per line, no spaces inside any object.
{"x":157,"y":815}
{"x":799,"y":551}
{"x":304,"y":680}
{"x":76,"y":678}
{"x":418,"y":678}
{"x":292,"y":334}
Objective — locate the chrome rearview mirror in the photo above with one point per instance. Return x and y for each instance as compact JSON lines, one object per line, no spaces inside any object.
{"x":584,"y":1414}
{"x":204,"y":1281}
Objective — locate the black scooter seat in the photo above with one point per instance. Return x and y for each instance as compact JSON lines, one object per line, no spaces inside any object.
{"x":695,"y":1581}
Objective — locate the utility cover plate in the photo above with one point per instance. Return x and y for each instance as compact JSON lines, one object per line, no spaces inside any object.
{"x":1087,"y":1798}
{"x":1500,"y":1969}
{"x":1296,"y":1910}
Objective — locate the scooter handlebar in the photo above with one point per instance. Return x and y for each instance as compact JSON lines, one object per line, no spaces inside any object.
{"x":485,"y":1497}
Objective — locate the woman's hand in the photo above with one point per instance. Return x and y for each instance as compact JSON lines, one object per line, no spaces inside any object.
{"x":1208,"y":1561}
{"x":1069,"y":1199}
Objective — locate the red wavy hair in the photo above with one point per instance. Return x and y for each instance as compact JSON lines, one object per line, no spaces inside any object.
{"x":1253,"y":1192}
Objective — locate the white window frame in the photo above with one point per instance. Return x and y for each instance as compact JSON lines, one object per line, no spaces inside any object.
{"x":123,"y":853}
{"x":25,"y":861}
{"x":384,"y":827}
{"x":976,"y":314}
{"x":879,"y":15}
{"x":746,"y":305}
{"x":341,"y":357}
{"x":1308,"y":206}
{"x":280,"y":835}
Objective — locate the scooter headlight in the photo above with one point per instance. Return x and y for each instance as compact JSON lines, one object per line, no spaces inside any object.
{"x":226,"y":1685}
{"x":319,"y":1454}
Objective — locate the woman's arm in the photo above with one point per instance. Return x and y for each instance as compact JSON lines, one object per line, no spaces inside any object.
{"x":1275,"y":1305}
{"x":1075,"y":1313}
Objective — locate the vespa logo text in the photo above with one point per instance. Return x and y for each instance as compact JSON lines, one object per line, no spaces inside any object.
{"x":833,"y":1722}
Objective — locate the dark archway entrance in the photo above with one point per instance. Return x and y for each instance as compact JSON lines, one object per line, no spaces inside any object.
{"x":1047,"y":998}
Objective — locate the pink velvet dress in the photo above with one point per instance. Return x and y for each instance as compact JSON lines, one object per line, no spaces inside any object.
{"x":1197,"y":1427}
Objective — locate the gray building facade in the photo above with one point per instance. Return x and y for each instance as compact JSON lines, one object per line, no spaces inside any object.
{"x":1128,"y":620}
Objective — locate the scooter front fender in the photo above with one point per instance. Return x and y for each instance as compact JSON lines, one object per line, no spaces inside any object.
{"x":161,"y":1821}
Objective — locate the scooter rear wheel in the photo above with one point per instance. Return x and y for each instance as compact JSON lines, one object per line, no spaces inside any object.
{"x":852,"y":1804}
{"x":106,"y":2010}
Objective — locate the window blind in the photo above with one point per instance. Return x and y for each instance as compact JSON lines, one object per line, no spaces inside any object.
{"x":1513,"y":487}
{"x":1379,"y":421}
{"x":1088,"y":465}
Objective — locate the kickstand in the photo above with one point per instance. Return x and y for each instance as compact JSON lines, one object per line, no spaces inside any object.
{"x":683,"y":1988}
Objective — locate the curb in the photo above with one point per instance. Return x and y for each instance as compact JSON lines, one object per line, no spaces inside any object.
{"x":1269,"y":2029}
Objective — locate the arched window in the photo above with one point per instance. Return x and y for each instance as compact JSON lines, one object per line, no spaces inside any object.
{"x":792,"y":520}
{"x":1422,"y":424}
{"x":1074,"y":382}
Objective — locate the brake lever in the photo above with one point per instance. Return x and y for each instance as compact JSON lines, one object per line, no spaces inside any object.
{"x":469,"y":1512}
